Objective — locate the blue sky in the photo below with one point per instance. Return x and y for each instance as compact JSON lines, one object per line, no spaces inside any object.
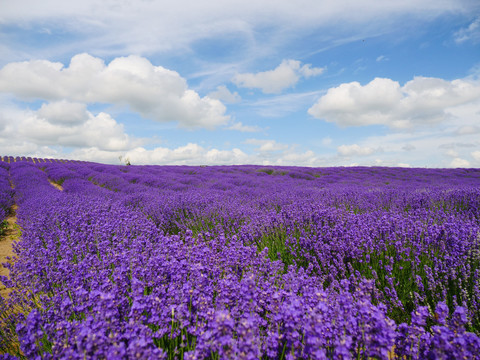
{"x":306,"y":83}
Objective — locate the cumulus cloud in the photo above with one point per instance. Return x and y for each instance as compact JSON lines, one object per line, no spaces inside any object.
{"x":190,"y":154}
{"x":65,"y":124}
{"x":459,"y":163}
{"x":153,"y":91}
{"x":307,"y":158}
{"x":100,"y":138}
{"x":223,"y":94}
{"x":307,"y":71}
{"x":63,"y":113}
{"x":432,"y":147}
{"x":271,"y":152}
{"x":384,"y":102}
{"x":355,"y":150}
{"x":285,"y":75}
{"x":476,"y":155}
{"x":181,"y":155}
{"x":194,"y":154}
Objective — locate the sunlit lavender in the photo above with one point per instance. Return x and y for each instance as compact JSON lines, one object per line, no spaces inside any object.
{"x":241,"y":262}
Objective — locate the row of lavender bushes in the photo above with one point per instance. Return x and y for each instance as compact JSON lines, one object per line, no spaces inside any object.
{"x":244,"y":262}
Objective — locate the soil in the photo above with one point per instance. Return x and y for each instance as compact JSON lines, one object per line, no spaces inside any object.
{"x":54,"y":184}
{"x":11,"y":234}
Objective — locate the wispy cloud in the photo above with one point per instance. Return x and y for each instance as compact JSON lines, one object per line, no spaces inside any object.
{"x":470,"y":33}
{"x":381,"y":58}
{"x":283,"y":105}
{"x":267,"y":145}
{"x":143,"y":27}
{"x":285,"y":75}
{"x":238,"y":126}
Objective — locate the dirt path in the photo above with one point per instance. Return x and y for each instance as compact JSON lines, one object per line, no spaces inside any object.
{"x":11,"y":234}
{"x":55,"y":185}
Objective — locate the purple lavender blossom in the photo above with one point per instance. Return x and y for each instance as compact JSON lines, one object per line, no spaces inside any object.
{"x":244,"y":262}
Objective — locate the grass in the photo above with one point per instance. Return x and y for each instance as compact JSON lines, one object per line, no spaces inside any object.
{"x":404,"y":273}
{"x":3,"y":227}
{"x":9,"y":317}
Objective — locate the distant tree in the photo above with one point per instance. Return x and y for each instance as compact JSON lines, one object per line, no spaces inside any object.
{"x":124,"y":160}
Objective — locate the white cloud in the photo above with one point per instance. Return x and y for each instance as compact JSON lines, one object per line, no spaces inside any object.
{"x":190,"y":154}
{"x":139,"y":27}
{"x":327,"y":141}
{"x":18,"y":147}
{"x":223,"y":94}
{"x":381,"y":58}
{"x":431,"y":147}
{"x":94,"y":154}
{"x":459,"y":163}
{"x":352,"y":104}
{"x":307,"y":158}
{"x":470,"y":33}
{"x":235,"y":156}
{"x":408,"y":147}
{"x":271,"y":152}
{"x":467,"y":130}
{"x":266,"y":145}
{"x":64,"y":113}
{"x":355,"y":150}
{"x":283,"y":105}
{"x":64,"y":124}
{"x":452,"y":153}
{"x":307,"y":71}
{"x":420,"y":101}
{"x":453,"y":145}
{"x":238,"y":126}
{"x":152,"y":91}
{"x":476,"y":155}
{"x":194,"y":154}
{"x":274,"y":81}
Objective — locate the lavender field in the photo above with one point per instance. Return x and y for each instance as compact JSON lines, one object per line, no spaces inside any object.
{"x":240,"y":262}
